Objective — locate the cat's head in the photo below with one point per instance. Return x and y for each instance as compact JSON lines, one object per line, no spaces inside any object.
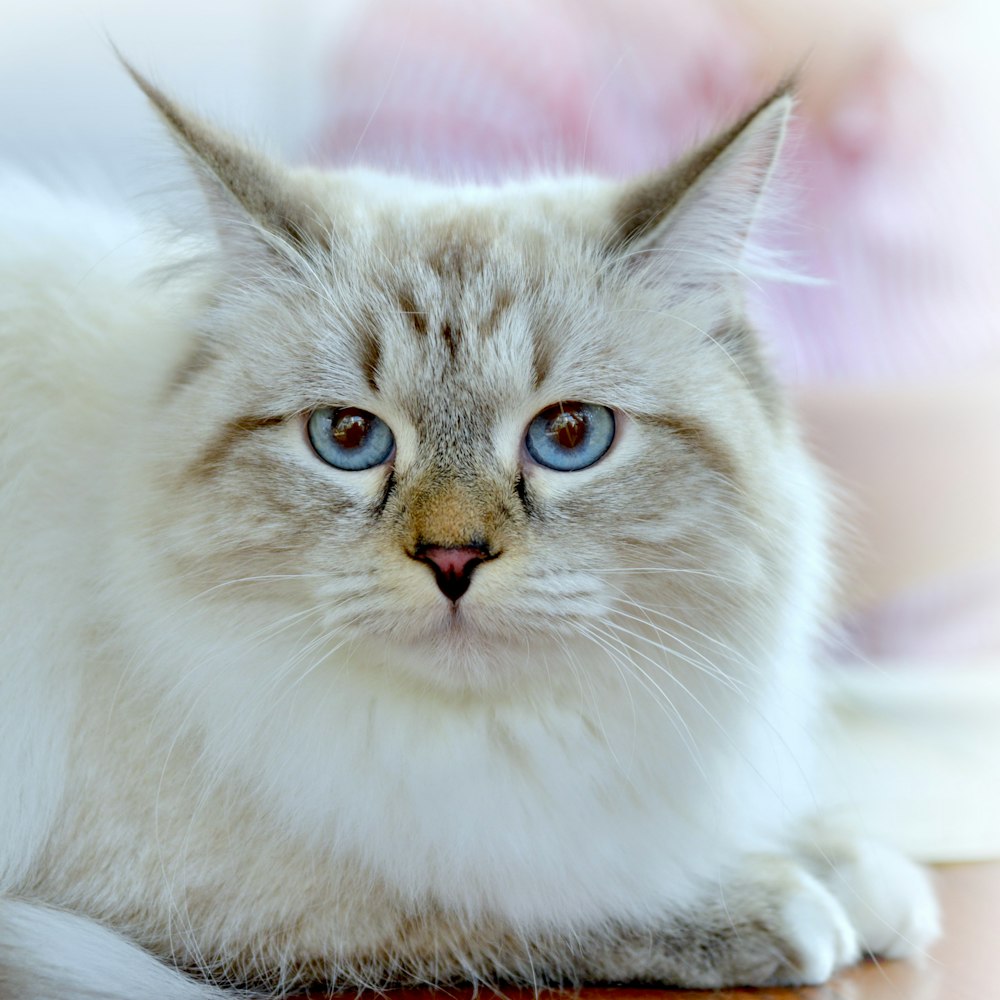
{"x":469,"y":430}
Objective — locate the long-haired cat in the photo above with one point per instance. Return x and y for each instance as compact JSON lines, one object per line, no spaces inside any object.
{"x":406,"y":583}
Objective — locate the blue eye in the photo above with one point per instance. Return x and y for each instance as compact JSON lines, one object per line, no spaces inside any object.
{"x":570,"y":436}
{"x":349,"y":438}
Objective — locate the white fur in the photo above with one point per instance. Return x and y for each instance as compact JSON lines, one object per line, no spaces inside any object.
{"x":204,"y":768}
{"x":62,"y":955}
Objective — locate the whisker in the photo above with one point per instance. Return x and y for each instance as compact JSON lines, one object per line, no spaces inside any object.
{"x":702,"y":663}
{"x":664,"y":700}
{"x":703,"y":635}
{"x":581,"y":674}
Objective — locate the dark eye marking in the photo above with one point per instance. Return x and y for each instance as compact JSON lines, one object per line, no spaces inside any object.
{"x":521,"y":489}
{"x":387,"y":491}
{"x":213,"y":457}
{"x":698,"y":439}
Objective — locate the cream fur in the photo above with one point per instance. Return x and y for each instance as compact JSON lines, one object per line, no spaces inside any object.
{"x":241,"y":727}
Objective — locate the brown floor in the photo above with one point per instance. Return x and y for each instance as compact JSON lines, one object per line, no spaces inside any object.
{"x":962,"y":966}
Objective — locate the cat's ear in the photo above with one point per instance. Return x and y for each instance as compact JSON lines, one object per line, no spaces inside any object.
{"x":254,"y":201}
{"x":694,"y":218}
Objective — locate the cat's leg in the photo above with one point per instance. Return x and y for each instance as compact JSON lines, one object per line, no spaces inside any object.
{"x":778,"y":921}
{"x":48,"y":954}
{"x":772,"y":924}
{"x":889,"y":899}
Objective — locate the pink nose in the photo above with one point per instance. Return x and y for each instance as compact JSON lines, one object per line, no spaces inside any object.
{"x":452,"y":561}
{"x":452,"y":567}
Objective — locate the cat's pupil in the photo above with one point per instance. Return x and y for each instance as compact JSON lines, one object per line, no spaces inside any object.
{"x":568,"y":428}
{"x":570,"y":436}
{"x":350,"y":428}
{"x":349,"y":438}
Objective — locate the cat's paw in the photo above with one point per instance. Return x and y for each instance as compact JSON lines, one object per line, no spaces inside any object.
{"x":890,"y":900}
{"x":806,"y":934}
{"x":770,"y":923}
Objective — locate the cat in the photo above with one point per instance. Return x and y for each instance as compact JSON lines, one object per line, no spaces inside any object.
{"x":406,"y":583}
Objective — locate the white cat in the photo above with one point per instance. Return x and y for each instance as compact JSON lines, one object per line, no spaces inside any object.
{"x":405,"y":583}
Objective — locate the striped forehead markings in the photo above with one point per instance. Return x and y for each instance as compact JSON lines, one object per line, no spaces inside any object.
{"x":451,"y":332}
{"x":416,"y":316}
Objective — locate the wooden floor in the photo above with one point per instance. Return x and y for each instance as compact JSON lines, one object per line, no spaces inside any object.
{"x":962,"y":966}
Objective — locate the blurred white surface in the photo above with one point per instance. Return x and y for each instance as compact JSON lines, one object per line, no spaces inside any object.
{"x":915,"y":760}
{"x":69,"y":111}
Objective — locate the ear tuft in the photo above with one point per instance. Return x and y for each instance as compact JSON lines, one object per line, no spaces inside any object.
{"x":238,"y":179}
{"x":701,"y":209}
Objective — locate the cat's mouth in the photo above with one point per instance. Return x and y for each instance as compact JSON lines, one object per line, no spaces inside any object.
{"x":456,"y":620}
{"x":458,"y":625}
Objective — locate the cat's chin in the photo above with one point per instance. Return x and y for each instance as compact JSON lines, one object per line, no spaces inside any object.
{"x":455,"y":631}
{"x":478,"y":627}
{"x":459,"y":649}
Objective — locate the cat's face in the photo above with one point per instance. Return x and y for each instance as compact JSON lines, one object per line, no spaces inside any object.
{"x":458,"y":426}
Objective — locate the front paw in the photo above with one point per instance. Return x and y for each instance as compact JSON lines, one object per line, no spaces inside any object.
{"x":771,"y":924}
{"x":812,"y":934}
{"x":890,"y":900}
{"x":780,"y":926}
